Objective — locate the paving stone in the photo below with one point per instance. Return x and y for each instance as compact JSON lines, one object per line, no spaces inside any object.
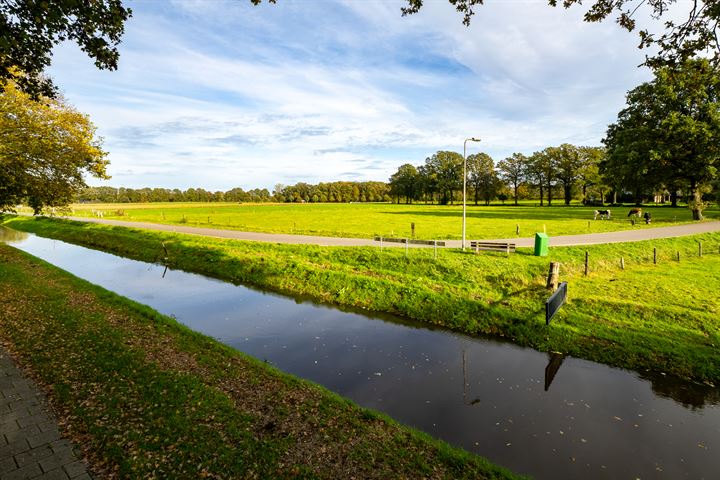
{"x":75,"y":469}
{"x":7,"y":465}
{"x":30,"y":442}
{"x":34,"y":455}
{"x":57,"y":474}
{"x":41,"y":438}
{"x":26,"y":432}
{"x":57,"y":460}
{"x":13,"y":448}
{"x":28,"y":471}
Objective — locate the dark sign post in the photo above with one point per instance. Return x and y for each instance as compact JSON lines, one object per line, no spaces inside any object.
{"x":553,"y":304}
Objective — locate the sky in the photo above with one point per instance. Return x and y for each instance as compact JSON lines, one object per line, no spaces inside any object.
{"x":222,"y":94}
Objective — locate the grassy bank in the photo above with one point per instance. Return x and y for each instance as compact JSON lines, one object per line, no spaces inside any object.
{"x":389,"y":220}
{"x":660,"y":317}
{"x":148,"y":398}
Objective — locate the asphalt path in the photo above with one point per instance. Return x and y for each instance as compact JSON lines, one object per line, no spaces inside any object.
{"x":638,"y":233}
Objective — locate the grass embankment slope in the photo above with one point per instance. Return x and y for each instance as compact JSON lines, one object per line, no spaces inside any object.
{"x":148,"y":398}
{"x":387,"y":220}
{"x":663,"y":317}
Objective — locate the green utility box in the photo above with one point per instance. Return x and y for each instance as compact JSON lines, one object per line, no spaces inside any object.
{"x":542,"y":241}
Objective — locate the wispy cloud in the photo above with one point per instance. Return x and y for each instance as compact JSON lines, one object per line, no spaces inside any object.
{"x":223,"y":94}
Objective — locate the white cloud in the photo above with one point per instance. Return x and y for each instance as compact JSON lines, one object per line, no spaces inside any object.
{"x":225,"y":94}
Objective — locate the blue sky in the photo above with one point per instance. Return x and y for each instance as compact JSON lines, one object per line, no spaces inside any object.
{"x":219,"y":94}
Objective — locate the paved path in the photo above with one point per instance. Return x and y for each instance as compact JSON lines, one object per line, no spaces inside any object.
{"x":30,"y":442}
{"x":641,"y":232}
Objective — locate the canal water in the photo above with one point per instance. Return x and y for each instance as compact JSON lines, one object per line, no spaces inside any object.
{"x":538,"y":414}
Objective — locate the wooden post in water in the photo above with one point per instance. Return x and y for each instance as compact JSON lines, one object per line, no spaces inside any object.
{"x":587,"y":255}
{"x":622,"y":263}
{"x":553,"y":276}
{"x":655,"y":255}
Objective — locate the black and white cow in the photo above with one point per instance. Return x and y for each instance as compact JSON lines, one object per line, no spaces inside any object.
{"x":603,"y":214}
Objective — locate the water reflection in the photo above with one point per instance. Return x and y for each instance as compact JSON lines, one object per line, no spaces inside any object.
{"x":545,"y":415}
{"x":8,"y":235}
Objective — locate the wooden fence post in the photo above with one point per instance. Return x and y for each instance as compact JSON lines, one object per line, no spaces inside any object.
{"x":553,"y":276}
{"x":655,"y":256}
{"x":699,"y":249}
{"x":678,"y":256}
{"x":586,"y":262}
{"x":622,"y":263}
{"x":435,"y":248}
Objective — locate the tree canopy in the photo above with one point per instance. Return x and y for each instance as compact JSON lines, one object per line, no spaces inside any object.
{"x":669,"y":132}
{"x":45,"y":149}
{"x":699,"y":32}
{"x":29,"y":29}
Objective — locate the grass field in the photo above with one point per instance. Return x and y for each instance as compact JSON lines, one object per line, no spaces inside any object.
{"x":662,"y":317}
{"x":389,"y":220}
{"x":147,"y":398}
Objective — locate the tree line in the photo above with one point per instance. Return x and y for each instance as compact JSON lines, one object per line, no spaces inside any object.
{"x":664,"y":146}
{"x":333,"y":192}
{"x":566,"y":171}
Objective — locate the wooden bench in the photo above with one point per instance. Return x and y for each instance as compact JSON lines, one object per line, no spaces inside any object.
{"x":492,"y":246}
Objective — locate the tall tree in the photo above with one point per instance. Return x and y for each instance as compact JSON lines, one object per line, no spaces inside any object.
{"x":698,"y":32}
{"x":568,"y":164}
{"x":542,"y":170}
{"x":589,"y":173}
{"x":483,"y":177}
{"x":514,"y":170}
{"x":405,"y":183}
{"x":447,"y":168}
{"x":46,"y":147}
{"x":29,"y":29}
{"x":670,"y":130}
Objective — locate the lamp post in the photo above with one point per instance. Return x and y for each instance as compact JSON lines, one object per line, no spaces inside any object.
{"x":471,"y":139}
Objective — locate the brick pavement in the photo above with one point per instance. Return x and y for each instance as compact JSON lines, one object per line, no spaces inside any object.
{"x":30,"y":442}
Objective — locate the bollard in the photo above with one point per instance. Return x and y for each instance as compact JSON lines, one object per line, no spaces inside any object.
{"x":406,"y":246}
{"x":699,"y":249}
{"x":517,"y":230}
{"x":435,"y":248}
{"x":622,"y":263}
{"x":412,"y":230}
{"x":553,"y":276}
{"x":678,"y":256}
{"x":586,"y":262}
{"x":655,"y":256}
{"x":381,"y":243}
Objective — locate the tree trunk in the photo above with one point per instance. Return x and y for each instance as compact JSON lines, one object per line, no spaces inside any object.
{"x":696,"y":196}
{"x":549,"y":192}
{"x":568,"y":193}
{"x":614,"y":197}
{"x":673,"y":198}
{"x":542,"y":195}
{"x":516,"y":195}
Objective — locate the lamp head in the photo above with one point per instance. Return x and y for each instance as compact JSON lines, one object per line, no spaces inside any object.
{"x":473,"y":139}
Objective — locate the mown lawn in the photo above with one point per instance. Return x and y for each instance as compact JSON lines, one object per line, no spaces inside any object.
{"x":147,"y":398}
{"x":389,"y":220}
{"x":661,"y":317}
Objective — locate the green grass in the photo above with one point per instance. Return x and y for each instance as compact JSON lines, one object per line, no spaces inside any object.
{"x":660,"y":317}
{"x":147,"y":398}
{"x":388,"y":220}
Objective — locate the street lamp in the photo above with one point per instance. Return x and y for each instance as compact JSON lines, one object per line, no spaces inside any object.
{"x":471,"y":139}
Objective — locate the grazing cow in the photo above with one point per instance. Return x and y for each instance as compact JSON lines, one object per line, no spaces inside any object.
{"x":647,"y":217}
{"x":635,"y":212}
{"x":603,"y":214}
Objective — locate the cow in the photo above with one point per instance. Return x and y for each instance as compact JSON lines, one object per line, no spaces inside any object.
{"x":603,"y":214}
{"x":635,"y":212}
{"x":647,"y":218}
